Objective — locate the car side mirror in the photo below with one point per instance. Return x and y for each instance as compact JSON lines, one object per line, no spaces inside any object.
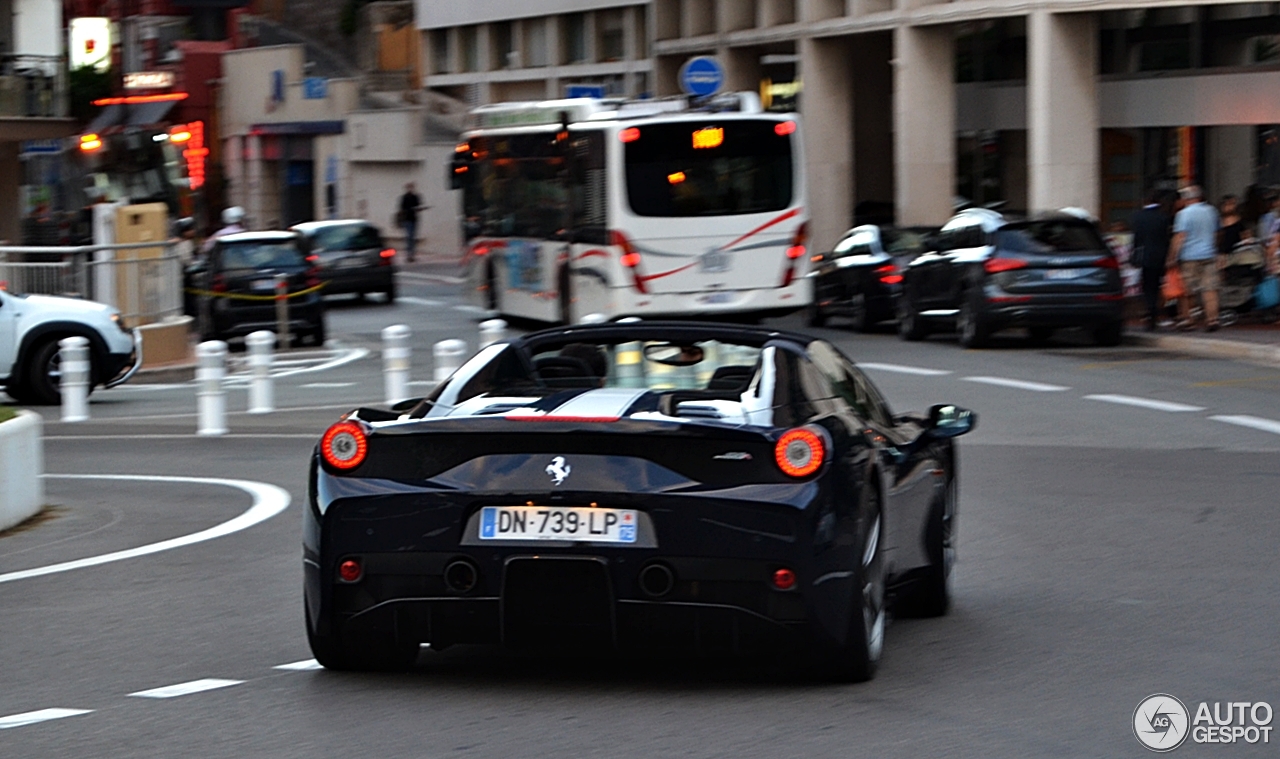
{"x":946,"y":421}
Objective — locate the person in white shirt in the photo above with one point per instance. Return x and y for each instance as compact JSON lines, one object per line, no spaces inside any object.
{"x":231,"y":220}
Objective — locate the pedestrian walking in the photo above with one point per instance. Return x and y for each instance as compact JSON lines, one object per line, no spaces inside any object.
{"x":184,"y":239}
{"x":1232,"y":229}
{"x":232,"y":222}
{"x":410,"y":204}
{"x":1151,"y":232}
{"x":1194,"y":250}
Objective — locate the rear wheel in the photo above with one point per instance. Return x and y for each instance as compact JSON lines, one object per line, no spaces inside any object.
{"x":317,"y":334}
{"x":390,"y":292}
{"x":859,"y":316}
{"x":857,"y":659}
{"x":1109,"y":334}
{"x":1039,"y":335}
{"x":973,"y":331}
{"x":364,"y":653}
{"x":565,"y":281}
{"x":910,"y":325}
{"x":813,"y":315}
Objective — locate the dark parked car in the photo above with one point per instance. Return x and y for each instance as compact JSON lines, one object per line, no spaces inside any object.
{"x":352,"y":256}
{"x":862,"y":275}
{"x":239,"y":275}
{"x":632,"y":485}
{"x":989,"y":273}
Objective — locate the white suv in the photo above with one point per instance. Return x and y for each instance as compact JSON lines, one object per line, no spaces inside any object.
{"x":32,"y":325}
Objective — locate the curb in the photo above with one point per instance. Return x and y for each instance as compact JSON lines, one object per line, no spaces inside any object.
{"x":1254,"y":353}
{"x":157,"y":375}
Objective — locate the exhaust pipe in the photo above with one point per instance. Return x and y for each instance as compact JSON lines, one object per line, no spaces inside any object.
{"x":657,"y":580}
{"x":461,"y":576}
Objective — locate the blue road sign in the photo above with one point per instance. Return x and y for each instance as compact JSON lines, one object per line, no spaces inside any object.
{"x":701,"y":76}
{"x":584,"y":91}
{"x":315,"y":88}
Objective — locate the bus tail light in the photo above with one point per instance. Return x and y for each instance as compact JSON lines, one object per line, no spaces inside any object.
{"x":795,"y":251}
{"x":630,"y":259}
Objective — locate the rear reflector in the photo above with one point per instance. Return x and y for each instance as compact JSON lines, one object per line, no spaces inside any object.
{"x":350,"y":570}
{"x":1009,"y":299}
{"x":1108,"y":297}
{"x":784,"y":579}
{"x":344,"y":445}
{"x":388,"y":253}
{"x":799,"y":452}
{"x":629,"y":135}
{"x":1107,"y":262}
{"x":784,"y":128}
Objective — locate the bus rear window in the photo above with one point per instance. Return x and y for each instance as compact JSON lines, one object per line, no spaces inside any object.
{"x":712,"y":168}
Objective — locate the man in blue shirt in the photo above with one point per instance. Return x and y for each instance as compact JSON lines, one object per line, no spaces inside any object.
{"x":1194,"y":249}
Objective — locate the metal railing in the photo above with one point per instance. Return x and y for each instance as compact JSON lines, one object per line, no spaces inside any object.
{"x":146,"y":286}
{"x":33,"y":86}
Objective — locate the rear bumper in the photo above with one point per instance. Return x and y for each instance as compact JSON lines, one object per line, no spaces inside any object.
{"x":372,"y":279}
{"x":629,"y":302}
{"x":239,"y":320}
{"x":1052,"y":311}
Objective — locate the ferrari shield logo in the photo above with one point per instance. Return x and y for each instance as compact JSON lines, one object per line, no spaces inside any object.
{"x":559,"y":469}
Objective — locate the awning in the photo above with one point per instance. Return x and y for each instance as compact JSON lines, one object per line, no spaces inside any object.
{"x":130,"y":114}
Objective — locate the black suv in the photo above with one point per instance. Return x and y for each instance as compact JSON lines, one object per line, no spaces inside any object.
{"x":352,"y":257}
{"x":239,"y":273}
{"x":989,"y":273}
{"x":861,"y":277}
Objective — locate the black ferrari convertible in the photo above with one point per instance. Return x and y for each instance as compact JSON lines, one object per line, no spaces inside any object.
{"x":642,"y":485}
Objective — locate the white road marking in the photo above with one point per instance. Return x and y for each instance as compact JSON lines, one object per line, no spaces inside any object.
{"x":470,"y":309}
{"x":1252,"y":422}
{"x":1129,"y":400}
{"x":420,"y":301}
{"x":423,"y":383}
{"x":43,"y":715}
{"x":1038,"y":387}
{"x":898,"y":368}
{"x":184,"y":689}
{"x":326,"y":385}
{"x":346,"y":357}
{"x":268,"y":500}
{"x":433,"y":277}
{"x":300,"y":666}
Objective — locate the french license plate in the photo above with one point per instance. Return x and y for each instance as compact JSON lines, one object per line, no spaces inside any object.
{"x":717,"y":298}
{"x":1061,"y":273}
{"x":351,"y":262}
{"x":263,"y":284}
{"x":716,"y":261}
{"x":575,"y":523}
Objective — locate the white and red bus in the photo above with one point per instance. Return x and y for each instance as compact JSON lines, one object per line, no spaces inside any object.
{"x":644,"y":208}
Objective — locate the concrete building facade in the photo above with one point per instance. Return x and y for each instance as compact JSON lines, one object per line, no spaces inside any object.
{"x":912,"y":106}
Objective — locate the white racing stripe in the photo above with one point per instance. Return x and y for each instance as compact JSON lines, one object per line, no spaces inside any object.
{"x":268,"y":500}
{"x":1151,"y":403}
{"x":300,"y":666}
{"x":1252,"y":422}
{"x":899,"y":369}
{"x":184,"y":689}
{"x":1039,"y":387}
{"x":193,"y":436}
{"x":43,"y":715}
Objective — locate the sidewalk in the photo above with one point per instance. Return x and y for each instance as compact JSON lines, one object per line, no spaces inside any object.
{"x":1254,"y":343}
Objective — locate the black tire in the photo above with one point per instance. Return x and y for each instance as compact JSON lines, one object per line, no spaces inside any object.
{"x":1039,"y":335}
{"x":931,"y":596}
{"x":17,"y":392}
{"x":910,"y":326}
{"x":970,"y":326}
{"x":43,"y":376}
{"x":1109,"y":334}
{"x":365,"y":653}
{"x":861,"y":320}
{"x":317,"y":334}
{"x":814,"y":316}
{"x":491,"y":288}
{"x":857,"y":658}
{"x":390,"y":293}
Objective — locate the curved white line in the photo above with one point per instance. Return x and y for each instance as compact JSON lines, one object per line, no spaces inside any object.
{"x":268,"y":500}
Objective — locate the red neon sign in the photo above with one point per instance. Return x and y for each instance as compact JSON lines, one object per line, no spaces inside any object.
{"x":133,"y":99}
{"x":194,"y":152}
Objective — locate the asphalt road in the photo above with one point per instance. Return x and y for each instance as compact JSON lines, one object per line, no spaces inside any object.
{"x":1118,"y":538}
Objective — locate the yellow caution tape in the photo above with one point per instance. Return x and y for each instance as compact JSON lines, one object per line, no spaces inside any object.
{"x":237,"y":296}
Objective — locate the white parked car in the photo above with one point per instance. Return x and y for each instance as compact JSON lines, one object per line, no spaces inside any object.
{"x":32,"y":325}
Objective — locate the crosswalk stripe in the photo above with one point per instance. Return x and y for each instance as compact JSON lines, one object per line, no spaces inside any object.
{"x":900,"y":369}
{"x":1039,"y":387}
{"x":184,"y":689}
{"x":1253,"y":422}
{"x":42,"y":715}
{"x":1151,"y":403}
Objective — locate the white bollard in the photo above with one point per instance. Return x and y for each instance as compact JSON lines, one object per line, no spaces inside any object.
{"x":594,"y":319}
{"x":261,"y":392}
{"x":73,"y":363}
{"x":211,"y":399}
{"x":448,"y":357}
{"x":492,"y":331}
{"x":396,"y":353}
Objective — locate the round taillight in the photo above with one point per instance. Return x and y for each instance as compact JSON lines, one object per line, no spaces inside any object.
{"x":350,"y":570}
{"x":344,"y":445}
{"x":784,"y":579}
{"x":800,"y":452}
